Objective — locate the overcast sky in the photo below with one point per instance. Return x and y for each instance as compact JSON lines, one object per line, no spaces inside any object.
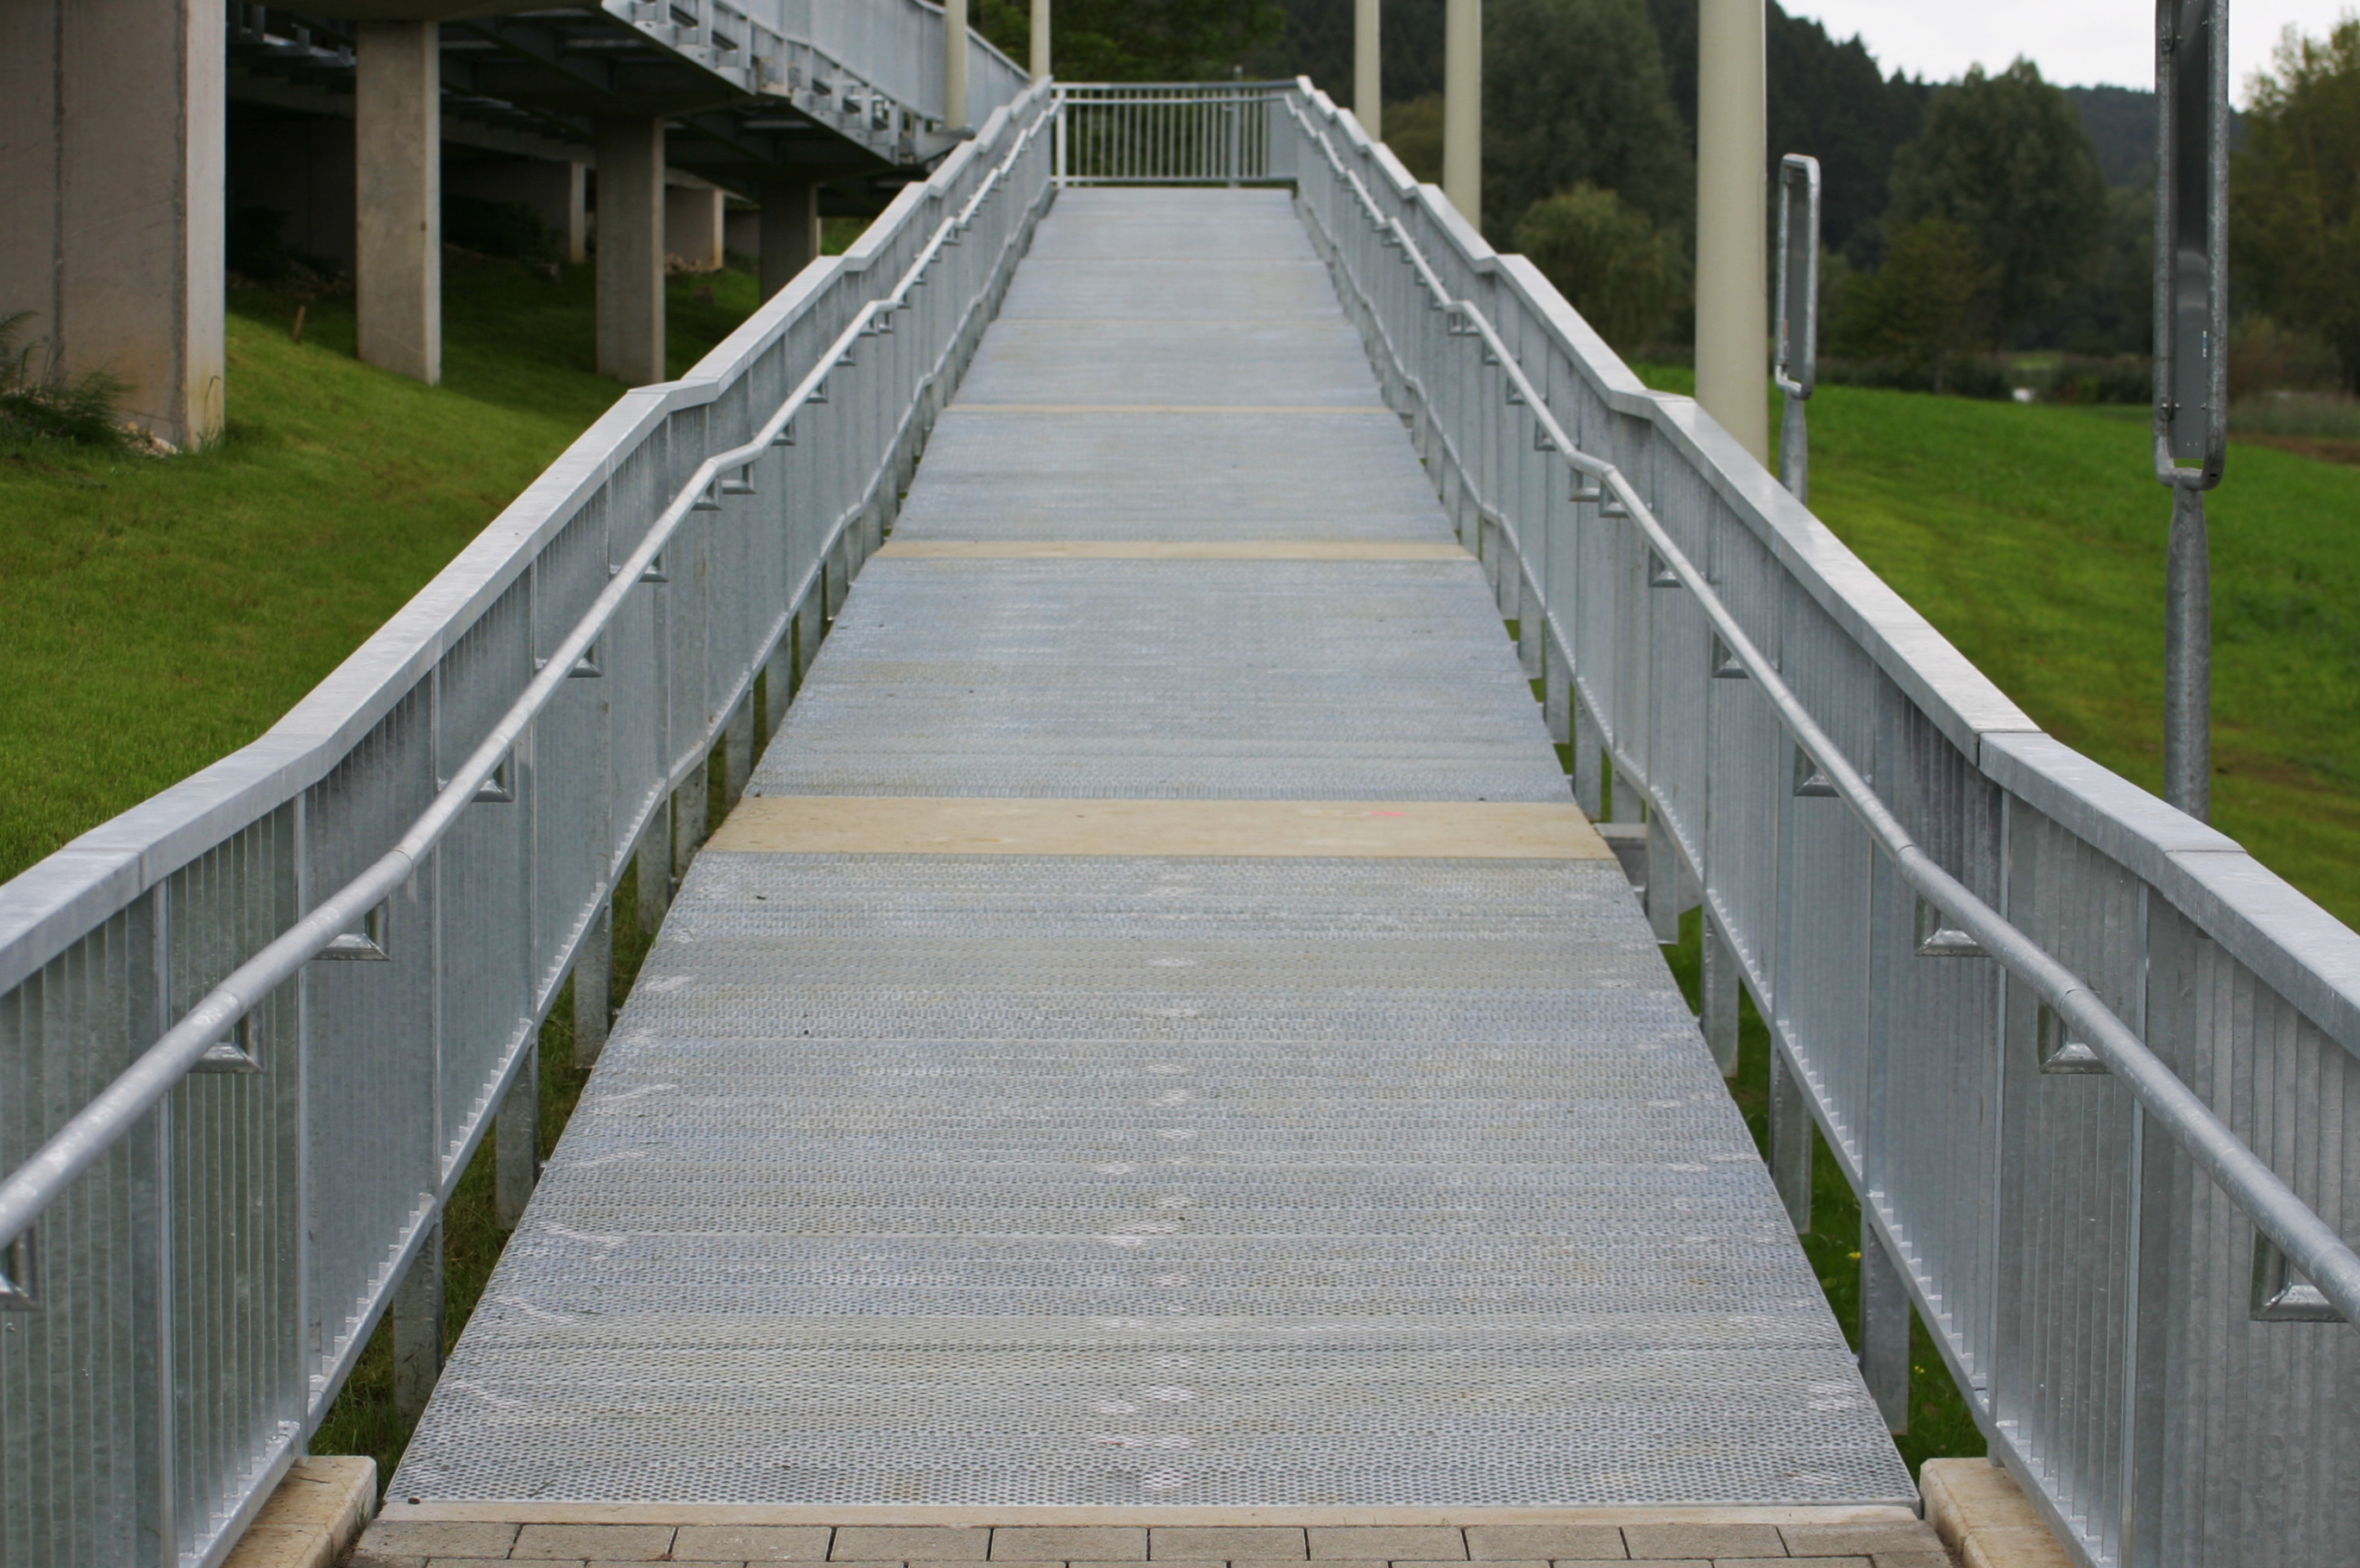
{"x":2076,"y":43}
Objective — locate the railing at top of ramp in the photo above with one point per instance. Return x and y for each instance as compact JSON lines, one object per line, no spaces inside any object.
{"x":2091,"y":1068}
{"x":221,"y":1152}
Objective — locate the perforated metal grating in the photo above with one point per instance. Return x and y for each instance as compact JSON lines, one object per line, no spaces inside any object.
{"x":1003,"y":1181}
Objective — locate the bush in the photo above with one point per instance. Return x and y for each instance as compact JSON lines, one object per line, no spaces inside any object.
{"x":1626,"y":275}
{"x":1986,"y":376}
{"x":1924,"y":308}
{"x":509,"y":229}
{"x":47,"y":406}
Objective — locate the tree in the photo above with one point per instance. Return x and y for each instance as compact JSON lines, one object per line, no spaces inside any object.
{"x":1827,"y":99}
{"x":2005,"y":158}
{"x":2297,"y":184}
{"x":1138,"y":41}
{"x":1924,"y":305}
{"x":1574,"y":94}
{"x":1626,"y":276}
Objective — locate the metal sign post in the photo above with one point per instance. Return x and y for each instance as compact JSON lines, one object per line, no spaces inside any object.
{"x":2192,"y":379}
{"x":1797,"y":367}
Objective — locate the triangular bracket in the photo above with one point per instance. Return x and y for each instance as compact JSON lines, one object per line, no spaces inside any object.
{"x":20,"y":1275}
{"x":1937,"y":937}
{"x":238,"y":1053}
{"x":1811,"y":781}
{"x":2059,"y":1051}
{"x":2281,"y":1295}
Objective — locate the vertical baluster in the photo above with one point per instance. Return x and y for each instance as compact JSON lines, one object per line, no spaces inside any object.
{"x":1720,"y":982}
{"x":1883,"y":1327}
{"x":1790,"y":1141}
{"x":594,"y":984}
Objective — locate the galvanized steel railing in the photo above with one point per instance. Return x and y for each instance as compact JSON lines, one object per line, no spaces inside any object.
{"x":228,"y":1152}
{"x":2090,"y":1066}
{"x":1168,"y":133}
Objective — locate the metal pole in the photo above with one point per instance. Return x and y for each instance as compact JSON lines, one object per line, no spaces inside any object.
{"x":954,"y":118}
{"x":1462,"y":108}
{"x":2191,"y":401}
{"x":1796,"y":365}
{"x":1368,"y":69}
{"x":1732,"y":316}
{"x":1040,"y":41}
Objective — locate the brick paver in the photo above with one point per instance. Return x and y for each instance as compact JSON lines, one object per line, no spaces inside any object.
{"x":1233,"y":1543}
{"x":1659,"y":1541}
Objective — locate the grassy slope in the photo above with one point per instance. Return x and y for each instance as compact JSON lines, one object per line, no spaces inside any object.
{"x":159,"y":614}
{"x":2033,"y":538}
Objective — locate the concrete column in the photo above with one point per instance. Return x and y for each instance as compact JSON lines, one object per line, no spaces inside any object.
{"x":398,"y":172}
{"x":693,"y":227}
{"x":630,"y":248}
{"x":418,"y":1324}
{"x":1733,"y":305}
{"x":111,"y":153}
{"x":1462,"y":107}
{"x":1368,"y":69}
{"x":1040,"y":39}
{"x":576,"y":230}
{"x":789,"y":230}
{"x":954,"y":66}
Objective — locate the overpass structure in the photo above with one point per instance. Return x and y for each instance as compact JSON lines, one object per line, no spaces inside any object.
{"x":135,"y":137}
{"x":1157,"y":1061}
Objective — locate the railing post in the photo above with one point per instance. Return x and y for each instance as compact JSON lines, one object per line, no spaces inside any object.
{"x":1663,"y":881}
{"x":1790,"y":1139}
{"x":1588,"y":762}
{"x":516,"y":1141}
{"x":778,"y":683}
{"x":418,"y":1324}
{"x":737,"y":750}
{"x":1883,"y":1326}
{"x":691,"y":806}
{"x":655,"y":869}
{"x":594,"y":984}
{"x":1719,"y":983}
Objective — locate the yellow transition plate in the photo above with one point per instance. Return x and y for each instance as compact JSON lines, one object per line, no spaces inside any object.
{"x":1372,"y":830}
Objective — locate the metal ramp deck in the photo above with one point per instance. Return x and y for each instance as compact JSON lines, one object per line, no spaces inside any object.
{"x":1156,"y":1035}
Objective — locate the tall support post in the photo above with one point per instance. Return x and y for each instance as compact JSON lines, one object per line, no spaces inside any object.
{"x":1040,"y":41}
{"x":954,"y":118}
{"x":1368,"y":67}
{"x":397,"y":182}
{"x":1462,"y":107}
{"x":1718,"y":979}
{"x":692,"y":806}
{"x":737,"y":750}
{"x":1732,"y":324}
{"x":1797,"y":367}
{"x":1884,"y":1328}
{"x":1663,"y":881}
{"x":516,"y":1142}
{"x":594,"y":986}
{"x":2191,"y":386}
{"x":418,"y":1324}
{"x":791,"y":236}
{"x":630,"y":248}
{"x":655,"y":871}
{"x":1790,"y":1141}
{"x":113,"y":140}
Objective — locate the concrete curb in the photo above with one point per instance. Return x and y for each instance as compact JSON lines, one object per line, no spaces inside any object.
{"x":1981,"y":1514}
{"x":313,"y":1515}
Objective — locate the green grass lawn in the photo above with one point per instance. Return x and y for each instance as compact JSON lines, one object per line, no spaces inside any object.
{"x":2033,"y":537}
{"x":160,"y":614}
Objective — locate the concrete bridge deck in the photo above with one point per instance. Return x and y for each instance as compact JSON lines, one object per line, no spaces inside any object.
{"x":1157,"y":1045}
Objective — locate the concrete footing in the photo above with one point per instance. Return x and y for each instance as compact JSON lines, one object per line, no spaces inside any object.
{"x":311,"y":1516}
{"x":1982,"y":1516}
{"x":111,"y":213}
{"x":631,"y":248}
{"x":397,"y":152}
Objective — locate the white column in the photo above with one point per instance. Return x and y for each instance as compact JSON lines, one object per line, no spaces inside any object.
{"x":1368,"y":67}
{"x":398,"y":169}
{"x":1462,"y":107}
{"x":954,"y":66}
{"x":112,"y":151}
{"x":1040,"y":39}
{"x":1733,"y":306}
{"x":630,"y":248}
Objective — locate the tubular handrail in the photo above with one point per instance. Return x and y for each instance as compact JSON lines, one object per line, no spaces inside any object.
{"x":107,"y":1117}
{"x":2307,"y":1241}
